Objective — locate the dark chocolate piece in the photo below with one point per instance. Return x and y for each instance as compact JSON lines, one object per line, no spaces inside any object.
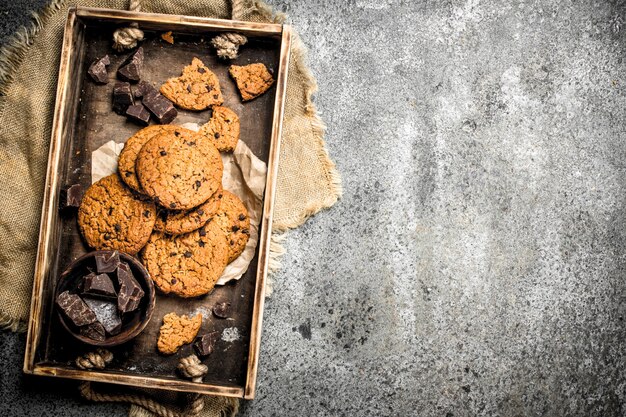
{"x":107,"y":261}
{"x":98,"y":70}
{"x":222,"y":310}
{"x":71,"y":197}
{"x":106,"y":313}
{"x":99,"y":285}
{"x":130,"y":294}
{"x":144,"y":89}
{"x":122,"y":97}
{"x":94,"y":331}
{"x":75,"y":309}
{"x":130,"y":70}
{"x":162,"y":108}
{"x":138,"y":113}
{"x":205,"y":344}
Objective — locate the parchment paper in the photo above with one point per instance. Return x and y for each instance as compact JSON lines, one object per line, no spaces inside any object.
{"x":244,"y":176}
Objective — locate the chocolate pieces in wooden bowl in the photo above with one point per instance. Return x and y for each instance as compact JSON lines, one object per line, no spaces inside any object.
{"x":105,"y":298}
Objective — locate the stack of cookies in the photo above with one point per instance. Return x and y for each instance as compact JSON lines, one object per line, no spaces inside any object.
{"x":168,"y":203}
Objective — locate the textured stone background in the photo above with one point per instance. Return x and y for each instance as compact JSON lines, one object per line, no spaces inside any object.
{"x":476,"y":263}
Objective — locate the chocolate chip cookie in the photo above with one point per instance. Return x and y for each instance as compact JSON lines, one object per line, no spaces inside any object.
{"x":233,"y":220}
{"x":128,"y":156}
{"x":177,"y":223}
{"x":252,"y":80}
{"x":222,"y":129}
{"x":112,"y":217}
{"x":187,"y":265}
{"x":177,"y":331}
{"x":179,"y":170}
{"x":196,"y":89}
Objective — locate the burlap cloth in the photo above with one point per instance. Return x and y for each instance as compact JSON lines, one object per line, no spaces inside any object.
{"x":307,"y":178}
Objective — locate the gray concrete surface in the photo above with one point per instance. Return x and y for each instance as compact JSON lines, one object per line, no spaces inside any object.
{"x":476,"y":263}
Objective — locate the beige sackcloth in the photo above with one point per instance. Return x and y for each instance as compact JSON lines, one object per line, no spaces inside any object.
{"x":307,"y":178}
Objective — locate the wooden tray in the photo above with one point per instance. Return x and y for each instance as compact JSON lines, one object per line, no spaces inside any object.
{"x":83,"y":121}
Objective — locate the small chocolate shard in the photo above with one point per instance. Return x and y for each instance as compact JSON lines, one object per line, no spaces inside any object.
{"x":130,"y":293}
{"x":144,"y":89}
{"x":99,"y":285}
{"x":94,"y":331}
{"x":205,"y":344}
{"x":122,"y":97}
{"x":75,"y":309}
{"x":222,"y":310}
{"x":107,"y":261}
{"x":98,"y":70}
{"x":71,"y":197}
{"x":160,"y":107}
{"x":106,"y":313}
{"x":130,"y":70}
{"x":138,"y":113}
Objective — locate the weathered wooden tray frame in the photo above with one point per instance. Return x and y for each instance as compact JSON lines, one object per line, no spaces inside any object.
{"x":72,"y":45}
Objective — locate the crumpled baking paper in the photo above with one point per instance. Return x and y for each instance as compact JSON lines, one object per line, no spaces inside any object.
{"x":244,"y":176}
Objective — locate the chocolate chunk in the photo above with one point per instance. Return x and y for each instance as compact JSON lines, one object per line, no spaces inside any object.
{"x":144,"y":89}
{"x":205,"y":344}
{"x":172,"y":205}
{"x":130,"y":70}
{"x":242,"y":217}
{"x":221,"y":310}
{"x":122,"y":97}
{"x":188,"y":254}
{"x":98,"y":285}
{"x":138,"y":113}
{"x":163,"y":153}
{"x":235,"y":228}
{"x":146,"y":213}
{"x":98,"y":70}
{"x":106,"y":313}
{"x":94,"y":331}
{"x":201,"y":70}
{"x":75,"y":309}
{"x":199,"y":211}
{"x":117,"y":227}
{"x":130,"y":293}
{"x":160,"y":107}
{"x":107,"y":261}
{"x":202,"y":231}
{"x":201,"y":243}
{"x":216,"y":135}
{"x":71,"y":197}
{"x":189,"y":88}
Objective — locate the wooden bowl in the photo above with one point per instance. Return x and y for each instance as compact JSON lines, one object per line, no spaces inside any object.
{"x":133,"y":323}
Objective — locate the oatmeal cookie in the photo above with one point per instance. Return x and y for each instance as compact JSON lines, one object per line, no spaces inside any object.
{"x":111,"y":216}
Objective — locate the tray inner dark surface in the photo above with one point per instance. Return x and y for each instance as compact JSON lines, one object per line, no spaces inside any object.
{"x":95,"y":124}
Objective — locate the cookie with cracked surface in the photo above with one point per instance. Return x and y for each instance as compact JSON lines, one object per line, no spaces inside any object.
{"x":177,"y":331}
{"x":252,"y":80}
{"x":187,"y":265}
{"x":233,"y":220}
{"x":180,"y":222}
{"x":222,"y":129}
{"x":128,"y":156}
{"x":179,"y":170}
{"x":111,"y":216}
{"x":196,"y":89}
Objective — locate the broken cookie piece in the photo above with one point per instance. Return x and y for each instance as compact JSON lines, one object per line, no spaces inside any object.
{"x":177,"y":331}
{"x":252,"y":80}
{"x":222,"y":129}
{"x":196,"y":89}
